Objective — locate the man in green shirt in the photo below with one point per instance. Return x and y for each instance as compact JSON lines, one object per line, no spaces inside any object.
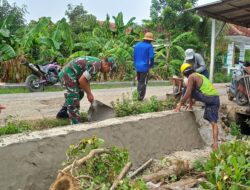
{"x":201,"y":89}
{"x":75,"y":78}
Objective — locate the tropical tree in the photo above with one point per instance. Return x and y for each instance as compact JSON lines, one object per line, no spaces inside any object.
{"x":112,"y":39}
{"x":11,"y":21}
{"x":13,"y":16}
{"x":79,"y":19}
{"x":170,"y":55}
{"x":44,"y":40}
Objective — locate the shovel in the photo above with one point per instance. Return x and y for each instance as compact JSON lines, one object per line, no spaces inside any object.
{"x":99,"y":111}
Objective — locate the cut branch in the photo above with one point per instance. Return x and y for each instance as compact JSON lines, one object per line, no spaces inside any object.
{"x":141,"y":168}
{"x":121,"y":175}
{"x":181,"y":184}
{"x":91,"y":154}
{"x":174,"y":169}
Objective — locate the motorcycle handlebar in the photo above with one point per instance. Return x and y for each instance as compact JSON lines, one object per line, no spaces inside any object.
{"x":245,"y":63}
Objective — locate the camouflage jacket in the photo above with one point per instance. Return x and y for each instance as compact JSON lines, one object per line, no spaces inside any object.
{"x":84,"y":65}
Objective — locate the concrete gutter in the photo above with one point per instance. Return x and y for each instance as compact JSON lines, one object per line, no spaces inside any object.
{"x":30,"y":161}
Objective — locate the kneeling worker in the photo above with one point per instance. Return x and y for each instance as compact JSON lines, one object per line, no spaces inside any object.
{"x":75,"y":78}
{"x":201,"y":89}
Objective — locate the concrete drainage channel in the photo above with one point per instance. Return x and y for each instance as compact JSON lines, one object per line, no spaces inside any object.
{"x":30,"y":161}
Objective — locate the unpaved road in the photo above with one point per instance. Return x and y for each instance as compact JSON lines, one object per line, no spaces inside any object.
{"x":46,"y":104}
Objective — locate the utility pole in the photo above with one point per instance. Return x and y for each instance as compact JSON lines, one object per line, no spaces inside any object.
{"x":212,"y":51}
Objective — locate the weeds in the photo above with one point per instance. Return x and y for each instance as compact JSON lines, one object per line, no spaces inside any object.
{"x":228,"y":167}
{"x":131,"y":106}
{"x":15,"y":125}
{"x":235,"y":130}
{"x":222,"y":78}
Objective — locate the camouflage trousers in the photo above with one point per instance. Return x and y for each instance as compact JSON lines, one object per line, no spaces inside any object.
{"x":73,"y":94}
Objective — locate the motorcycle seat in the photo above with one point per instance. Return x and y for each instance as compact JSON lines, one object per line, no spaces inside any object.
{"x":42,"y":68}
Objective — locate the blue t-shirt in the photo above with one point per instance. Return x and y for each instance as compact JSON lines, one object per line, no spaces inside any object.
{"x":143,"y":56}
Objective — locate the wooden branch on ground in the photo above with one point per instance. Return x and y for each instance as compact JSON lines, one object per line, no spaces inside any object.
{"x":121,"y":175}
{"x":91,"y":154}
{"x":181,"y":184}
{"x":174,"y":169}
{"x":72,"y":172}
{"x":141,"y":168}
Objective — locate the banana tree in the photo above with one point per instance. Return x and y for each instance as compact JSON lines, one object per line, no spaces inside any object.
{"x":169,"y":55}
{"x":6,"y":50}
{"x":45,"y":40}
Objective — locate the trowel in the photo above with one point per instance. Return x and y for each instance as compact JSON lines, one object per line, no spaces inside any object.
{"x":99,"y":111}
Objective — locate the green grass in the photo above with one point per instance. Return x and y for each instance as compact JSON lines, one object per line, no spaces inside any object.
{"x":18,"y":126}
{"x":93,"y":86}
{"x":14,"y":126}
{"x":25,"y":90}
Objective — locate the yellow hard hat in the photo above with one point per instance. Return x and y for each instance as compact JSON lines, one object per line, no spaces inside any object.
{"x":184,"y":66}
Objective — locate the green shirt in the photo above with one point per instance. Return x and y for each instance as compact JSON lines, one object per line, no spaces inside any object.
{"x":207,"y":87}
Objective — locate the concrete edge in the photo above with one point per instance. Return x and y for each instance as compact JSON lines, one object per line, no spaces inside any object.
{"x":34,"y":135}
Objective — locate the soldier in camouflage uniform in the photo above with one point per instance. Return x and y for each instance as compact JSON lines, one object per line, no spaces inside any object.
{"x":75,"y":78}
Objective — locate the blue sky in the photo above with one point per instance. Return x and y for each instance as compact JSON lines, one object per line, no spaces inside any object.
{"x":100,"y":8}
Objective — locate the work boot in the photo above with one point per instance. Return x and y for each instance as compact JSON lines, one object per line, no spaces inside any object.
{"x":62,"y":114}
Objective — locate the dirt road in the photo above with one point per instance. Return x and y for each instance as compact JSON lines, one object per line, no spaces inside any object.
{"x":46,"y":104}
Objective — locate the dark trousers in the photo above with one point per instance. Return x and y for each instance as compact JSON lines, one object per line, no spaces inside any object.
{"x":205,"y":73}
{"x":142,"y":79}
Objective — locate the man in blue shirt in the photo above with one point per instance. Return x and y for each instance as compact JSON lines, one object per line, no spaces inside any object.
{"x":143,"y":61}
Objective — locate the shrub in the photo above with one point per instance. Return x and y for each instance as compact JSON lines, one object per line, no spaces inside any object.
{"x":102,"y":169}
{"x":131,"y":106}
{"x":174,"y":67}
{"x":235,"y":129}
{"x":228,"y":167}
{"x":222,"y":78}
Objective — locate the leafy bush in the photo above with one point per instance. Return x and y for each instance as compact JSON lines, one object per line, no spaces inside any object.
{"x":228,"y":167}
{"x":102,"y":169}
{"x":174,"y":67}
{"x":131,"y":106}
{"x":222,"y":78}
{"x":235,"y":129}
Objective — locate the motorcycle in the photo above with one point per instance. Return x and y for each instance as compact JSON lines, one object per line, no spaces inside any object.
{"x":42,"y":75}
{"x":240,"y":84}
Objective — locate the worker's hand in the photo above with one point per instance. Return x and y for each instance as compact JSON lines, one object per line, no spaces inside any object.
{"x":189,"y":108}
{"x":1,"y":107}
{"x":178,"y":107}
{"x":90,"y":97}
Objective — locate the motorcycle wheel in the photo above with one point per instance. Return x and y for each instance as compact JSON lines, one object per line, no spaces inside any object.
{"x":241,"y":98}
{"x":32,"y":83}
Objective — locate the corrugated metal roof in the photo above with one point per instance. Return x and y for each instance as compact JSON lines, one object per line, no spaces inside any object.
{"x":231,"y":11}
